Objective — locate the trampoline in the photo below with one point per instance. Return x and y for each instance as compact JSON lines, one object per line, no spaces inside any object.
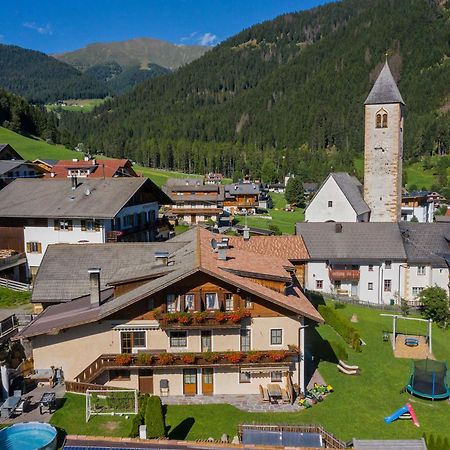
{"x":428,"y":380}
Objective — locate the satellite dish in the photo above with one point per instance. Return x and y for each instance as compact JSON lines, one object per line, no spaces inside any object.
{"x":213,"y":243}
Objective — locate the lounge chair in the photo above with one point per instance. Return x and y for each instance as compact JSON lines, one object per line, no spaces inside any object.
{"x":285,"y":396}
{"x":346,"y":366}
{"x":264,"y":393}
{"x":346,"y":371}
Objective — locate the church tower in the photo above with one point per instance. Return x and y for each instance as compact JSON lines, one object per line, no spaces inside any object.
{"x":383,"y":148}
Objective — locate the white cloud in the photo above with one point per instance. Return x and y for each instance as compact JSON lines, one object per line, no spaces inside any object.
{"x":47,"y":29}
{"x":207,"y":39}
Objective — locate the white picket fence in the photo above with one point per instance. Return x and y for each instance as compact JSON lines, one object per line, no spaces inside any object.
{"x":14,"y":285}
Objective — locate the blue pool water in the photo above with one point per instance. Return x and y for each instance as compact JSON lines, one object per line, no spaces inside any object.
{"x":28,"y":436}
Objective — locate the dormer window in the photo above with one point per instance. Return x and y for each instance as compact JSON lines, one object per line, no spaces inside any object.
{"x":381,"y":119}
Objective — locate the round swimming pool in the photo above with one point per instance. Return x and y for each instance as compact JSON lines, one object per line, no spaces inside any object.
{"x":28,"y":436}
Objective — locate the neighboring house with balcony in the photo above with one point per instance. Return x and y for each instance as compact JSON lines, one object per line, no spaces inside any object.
{"x":92,"y":168}
{"x":196,"y":321}
{"x":339,"y":199}
{"x":74,"y":211}
{"x":195,"y":202}
{"x":376,"y":262}
{"x":242,"y":197}
{"x":18,"y":168}
{"x":418,"y":204}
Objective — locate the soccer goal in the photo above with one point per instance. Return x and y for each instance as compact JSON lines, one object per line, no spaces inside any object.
{"x":117,"y":402}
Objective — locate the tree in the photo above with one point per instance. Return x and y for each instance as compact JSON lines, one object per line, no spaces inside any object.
{"x":268,"y":172}
{"x":154,"y":418}
{"x":435,"y":304}
{"x":294,"y":193}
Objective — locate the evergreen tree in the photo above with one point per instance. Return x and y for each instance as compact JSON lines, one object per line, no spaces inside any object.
{"x":294,"y":192}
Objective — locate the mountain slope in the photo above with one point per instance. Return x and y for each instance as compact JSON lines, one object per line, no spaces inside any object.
{"x":41,"y":78}
{"x":299,"y":79}
{"x":133,"y":52}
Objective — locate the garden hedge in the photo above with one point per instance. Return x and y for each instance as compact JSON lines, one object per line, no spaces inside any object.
{"x":341,"y":325}
{"x":138,"y":419}
{"x":339,"y":350}
{"x":154,"y":418}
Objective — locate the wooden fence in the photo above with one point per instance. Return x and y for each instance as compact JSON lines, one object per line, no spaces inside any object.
{"x":81,"y":388}
{"x":14,"y":285}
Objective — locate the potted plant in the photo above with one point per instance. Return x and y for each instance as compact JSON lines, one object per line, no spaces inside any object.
{"x":188,"y":358}
{"x":234,"y":357}
{"x":145,"y":359}
{"x":166,"y":359}
{"x":124,"y":359}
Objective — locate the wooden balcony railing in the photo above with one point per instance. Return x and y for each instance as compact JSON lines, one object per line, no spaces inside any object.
{"x":344,"y":274}
{"x":149,"y":359}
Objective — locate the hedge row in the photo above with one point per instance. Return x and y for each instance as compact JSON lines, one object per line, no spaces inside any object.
{"x":341,"y":325}
{"x":138,"y":419}
{"x":339,"y":350}
{"x":154,"y":418}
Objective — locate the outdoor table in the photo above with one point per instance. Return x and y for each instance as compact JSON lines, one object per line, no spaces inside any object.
{"x":274,"y":391}
{"x":48,"y":400}
{"x":10,"y":404}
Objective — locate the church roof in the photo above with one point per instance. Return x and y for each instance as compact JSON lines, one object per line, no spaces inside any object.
{"x":352,"y":189}
{"x":385,"y":89}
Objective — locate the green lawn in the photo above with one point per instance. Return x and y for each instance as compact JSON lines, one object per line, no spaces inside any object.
{"x":159,"y":176}
{"x":34,"y":148}
{"x":13,"y":299}
{"x":284,"y":220}
{"x":71,"y":417}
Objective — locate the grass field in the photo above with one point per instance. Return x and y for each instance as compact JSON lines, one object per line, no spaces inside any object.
{"x":355,"y":409}
{"x":81,"y":105}
{"x":284,"y":220}
{"x":13,"y":299}
{"x":33,"y":148}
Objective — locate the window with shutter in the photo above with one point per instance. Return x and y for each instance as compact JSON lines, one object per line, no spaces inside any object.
{"x":83,"y":225}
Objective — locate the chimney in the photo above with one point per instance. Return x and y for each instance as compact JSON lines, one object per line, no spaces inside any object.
{"x":162,"y":258}
{"x":222,"y":248}
{"x":338,"y":228}
{"x":246,"y":233}
{"x":94,"y":285}
{"x":74,"y":181}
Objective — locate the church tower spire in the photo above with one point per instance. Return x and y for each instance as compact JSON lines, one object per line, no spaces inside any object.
{"x":383,"y":148}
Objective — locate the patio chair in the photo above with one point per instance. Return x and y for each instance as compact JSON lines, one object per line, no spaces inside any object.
{"x":20,"y":408}
{"x":164,"y":387}
{"x":285,"y":396}
{"x":264,"y":393}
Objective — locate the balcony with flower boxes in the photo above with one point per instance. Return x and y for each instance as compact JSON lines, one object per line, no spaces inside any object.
{"x":343,"y":274}
{"x":201,"y":319}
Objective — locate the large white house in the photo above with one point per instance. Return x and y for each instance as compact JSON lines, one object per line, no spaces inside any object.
{"x":376,"y":262}
{"x":74,"y":212}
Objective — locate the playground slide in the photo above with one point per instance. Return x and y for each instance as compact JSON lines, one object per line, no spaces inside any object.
{"x":396,"y":414}
{"x":413,"y":415}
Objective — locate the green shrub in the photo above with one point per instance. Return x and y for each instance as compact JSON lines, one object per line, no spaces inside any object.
{"x":138,"y":419}
{"x":338,"y":305}
{"x":339,"y":350}
{"x":154,"y":418}
{"x":341,"y":325}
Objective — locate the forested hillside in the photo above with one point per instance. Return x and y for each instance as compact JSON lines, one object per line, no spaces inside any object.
{"x":19,"y":116}
{"x":42,"y":79}
{"x":286,"y":95}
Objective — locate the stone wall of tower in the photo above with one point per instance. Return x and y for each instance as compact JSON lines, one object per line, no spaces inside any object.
{"x":383,"y":153}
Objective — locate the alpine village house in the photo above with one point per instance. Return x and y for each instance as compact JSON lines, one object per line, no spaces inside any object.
{"x":209,"y":315}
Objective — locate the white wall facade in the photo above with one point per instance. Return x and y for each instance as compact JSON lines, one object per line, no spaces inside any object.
{"x":424,"y":213}
{"x":339,"y":211}
{"x":417,"y":277}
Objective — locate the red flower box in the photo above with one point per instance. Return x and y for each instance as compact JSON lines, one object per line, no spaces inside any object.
{"x":278,"y":356}
{"x":220,"y":317}
{"x":166,"y":359}
{"x":124,"y":359}
{"x":188,"y":358}
{"x":235,"y":357}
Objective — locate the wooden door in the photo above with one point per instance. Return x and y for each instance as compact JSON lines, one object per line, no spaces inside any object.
{"x":207,"y":381}
{"x":146,"y":381}
{"x":190,"y":381}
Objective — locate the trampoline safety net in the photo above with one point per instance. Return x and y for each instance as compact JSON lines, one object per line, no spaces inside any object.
{"x":429,"y":379}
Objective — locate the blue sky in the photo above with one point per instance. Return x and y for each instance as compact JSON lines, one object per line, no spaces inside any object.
{"x":62,"y":25}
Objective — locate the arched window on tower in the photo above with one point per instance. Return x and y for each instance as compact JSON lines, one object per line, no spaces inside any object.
{"x":381,"y":119}
{"x":378,"y":124}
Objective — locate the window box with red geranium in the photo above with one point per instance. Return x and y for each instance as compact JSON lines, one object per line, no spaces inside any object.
{"x":220,"y":317}
{"x":188,"y":358}
{"x":145,"y":359}
{"x":237,"y":316}
{"x":166,"y":359}
{"x":124,"y":359}
{"x":211,"y":357}
{"x":184,"y":318}
{"x":254,"y":357}
{"x":278,"y":356}
{"x":200,"y":317}
{"x":235,"y":357}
